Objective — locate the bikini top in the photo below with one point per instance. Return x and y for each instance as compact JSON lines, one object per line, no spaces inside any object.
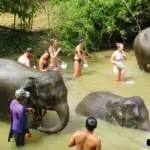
{"x":45,"y":65}
{"x":118,"y":56}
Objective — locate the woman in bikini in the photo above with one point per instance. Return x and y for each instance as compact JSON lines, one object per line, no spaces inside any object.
{"x":44,"y":62}
{"x":55,"y":60}
{"x":117,"y":59}
{"x":79,"y":58}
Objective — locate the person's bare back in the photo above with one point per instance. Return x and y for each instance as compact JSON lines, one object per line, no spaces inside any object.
{"x":85,"y":140}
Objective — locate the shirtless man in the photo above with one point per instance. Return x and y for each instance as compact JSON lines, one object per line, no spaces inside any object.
{"x":25,"y":58}
{"x":54,"y":59}
{"x":85,"y":140}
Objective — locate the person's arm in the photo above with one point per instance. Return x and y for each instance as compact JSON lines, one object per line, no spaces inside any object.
{"x":41,"y":65}
{"x":27,"y":63}
{"x":52,"y":54}
{"x":84,"y":58}
{"x":72,"y":141}
{"x":113,"y":58}
{"x":124,"y":54}
{"x":98,"y":146}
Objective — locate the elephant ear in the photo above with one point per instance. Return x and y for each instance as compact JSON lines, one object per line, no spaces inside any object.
{"x":30,"y":85}
{"x":113,"y":107}
{"x":131,"y":109}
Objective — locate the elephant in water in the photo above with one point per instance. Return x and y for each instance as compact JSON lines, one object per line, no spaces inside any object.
{"x":47,"y":90}
{"x":142,"y":49}
{"x":123,"y":111}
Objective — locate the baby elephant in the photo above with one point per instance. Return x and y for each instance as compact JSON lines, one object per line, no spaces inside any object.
{"x":123,"y":111}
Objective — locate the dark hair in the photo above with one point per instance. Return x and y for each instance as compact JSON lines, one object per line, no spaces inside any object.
{"x":91,"y":123}
{"x":47,"y":53}
{"x":81,"y":40}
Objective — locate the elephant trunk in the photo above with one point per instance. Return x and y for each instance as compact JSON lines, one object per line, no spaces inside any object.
{"x":145,"y":125}
{"x":63,"y":113}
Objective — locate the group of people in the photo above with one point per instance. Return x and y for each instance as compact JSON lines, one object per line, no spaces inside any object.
{"x":83,"y":140}
{"x":50,"y":59}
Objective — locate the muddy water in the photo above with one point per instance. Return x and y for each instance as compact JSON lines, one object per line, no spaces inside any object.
{"x":97,"y":77}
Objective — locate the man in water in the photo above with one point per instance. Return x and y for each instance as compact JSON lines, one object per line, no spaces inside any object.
{"x":85,"y":140}
{"x":25,"y":58}
{"x":19,"y":127}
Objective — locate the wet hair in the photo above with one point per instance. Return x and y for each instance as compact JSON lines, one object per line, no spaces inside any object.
{"x":52,"y":41}
{"x":91,"y":123}
{"x":47,"y":53}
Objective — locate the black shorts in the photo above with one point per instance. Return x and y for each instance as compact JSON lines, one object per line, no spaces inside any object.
{"x":19,"y":138}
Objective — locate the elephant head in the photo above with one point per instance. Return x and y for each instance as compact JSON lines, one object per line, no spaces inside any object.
{"x":135,"y":114}
{"x":129,"y":112}
{"x":48,"y":91}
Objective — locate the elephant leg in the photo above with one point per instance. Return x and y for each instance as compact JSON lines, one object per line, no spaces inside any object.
{"x":146,"y":68}
{"x":139,"y":62}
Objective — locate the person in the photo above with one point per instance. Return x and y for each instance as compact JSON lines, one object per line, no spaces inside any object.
{"x":117,"y":59}
{"x":54,"y":58}
{"x":120,"y":45}
{"x":18,"y":111}
{"x":86,"y":140}
{"x":25,"y":58}
{"x":79,"y":58}
{"x":44,"y":61}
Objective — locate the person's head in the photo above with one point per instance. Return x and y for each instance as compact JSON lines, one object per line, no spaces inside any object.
{"x":46,"y":55}
{"x":21,"y":94}
{"x":117,"y":44}
{"x":53,"y":42}
{"x":91,"y":123}
{"x":81,"y":41}
{"x":28,"y":51}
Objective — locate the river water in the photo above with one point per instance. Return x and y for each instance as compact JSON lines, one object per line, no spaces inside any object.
{"x":97,"y":77}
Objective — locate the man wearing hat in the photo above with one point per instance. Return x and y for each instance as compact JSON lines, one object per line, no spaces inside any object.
{"x":25,"y":58}
{"x":85,"y":140}
{"x":18,"y":111}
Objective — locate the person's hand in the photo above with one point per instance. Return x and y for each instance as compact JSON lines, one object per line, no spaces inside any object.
{"x":31,"y":109}
{"x":59,"y":49}
{"x":28,"y":135}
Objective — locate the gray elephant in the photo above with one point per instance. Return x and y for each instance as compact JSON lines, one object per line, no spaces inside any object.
{"x":141,"y":47}
{"x":47,"y":90}
{"x":123,"y":111}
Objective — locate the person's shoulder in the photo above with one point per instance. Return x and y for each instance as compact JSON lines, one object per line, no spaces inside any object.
{"x":78,"y":132}
{"x":20,"y":57}
{"x":116,"y":51}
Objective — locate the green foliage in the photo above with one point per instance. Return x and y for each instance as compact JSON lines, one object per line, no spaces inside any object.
{"x":23,"y":9}
{"x":92,"y":20}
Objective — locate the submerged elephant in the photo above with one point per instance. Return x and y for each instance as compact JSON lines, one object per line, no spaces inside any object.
{"x":123,"y":111}
{"x":142,"y":49}
{"x":47,"y":90}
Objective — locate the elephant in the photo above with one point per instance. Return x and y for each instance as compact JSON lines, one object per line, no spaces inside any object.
{"x":141,"y":47}
{"x":129,"y":112}
{"x":47,"y":92}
